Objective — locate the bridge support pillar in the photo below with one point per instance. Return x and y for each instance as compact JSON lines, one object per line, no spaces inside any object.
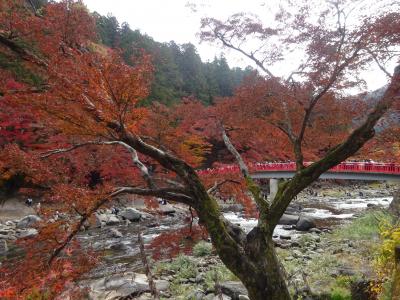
{"x":273,"y":187}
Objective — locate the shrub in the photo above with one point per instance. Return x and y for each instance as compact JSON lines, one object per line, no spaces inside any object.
{"x":366,"y":227}
{"x":219,"y":273}
{"x":339,"y":293}
{"x":202,"y":248}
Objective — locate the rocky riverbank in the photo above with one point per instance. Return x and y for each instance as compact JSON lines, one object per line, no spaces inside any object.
{"x":313,"y":253}
{"x":314,"y":256}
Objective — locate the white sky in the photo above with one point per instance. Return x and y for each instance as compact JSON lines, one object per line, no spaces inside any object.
{"x":166,"y":20}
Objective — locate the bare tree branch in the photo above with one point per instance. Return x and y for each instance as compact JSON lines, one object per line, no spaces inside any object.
{"x":235,"y":153}
{"x":341,"y":152}
{"x":259,"y":63}
{"x":173,"y":194}
{"x":253,"y":187}
{"x":143,"y":169}
{"x":216,"y":186}
{"x":383,"y":69}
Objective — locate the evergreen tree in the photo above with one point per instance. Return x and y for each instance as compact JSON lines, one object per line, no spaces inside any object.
{"x":178,"y":69}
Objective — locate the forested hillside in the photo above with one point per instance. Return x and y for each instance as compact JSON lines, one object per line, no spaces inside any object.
{"x":179,"y":71}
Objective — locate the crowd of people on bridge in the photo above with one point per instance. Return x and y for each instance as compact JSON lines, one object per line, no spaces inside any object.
{"x":350,"y":165}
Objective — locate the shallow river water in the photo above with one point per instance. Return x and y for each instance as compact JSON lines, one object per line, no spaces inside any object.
{"x":123,"y":253}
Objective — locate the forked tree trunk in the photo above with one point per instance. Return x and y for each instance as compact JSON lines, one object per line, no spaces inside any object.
{"x":258,"y":269}
{"x":251,"y":258}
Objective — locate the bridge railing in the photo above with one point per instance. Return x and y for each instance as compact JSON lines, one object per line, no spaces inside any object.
{"x":353,"y":167}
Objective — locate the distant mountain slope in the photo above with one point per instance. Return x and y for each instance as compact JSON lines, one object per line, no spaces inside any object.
{"x":179,"y":71}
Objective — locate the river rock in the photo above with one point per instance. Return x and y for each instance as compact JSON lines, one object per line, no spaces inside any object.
{"x":28,"y":221}
{"x":10,"y":223}
{"x":167,"y":209}
{"x":115,"y":233}
{"x":346,"y":271}
{"x":6,"y":231}
{"x":120,"y":247}
{"x":196,"y":295}
{"x":101,"y":220}
{"x":293,"y":209}
{"x":231,"y":207}
{"x":27,"y":233}
{"x":287,"y":219}
{"x":131,"y":214}
{"x":121,"y":286}
{"x":233,"y":289}
{"x":162,"y":285}
{"x":112,"y":220}
{"x":305,"y":224}
{"x":217,"y":297}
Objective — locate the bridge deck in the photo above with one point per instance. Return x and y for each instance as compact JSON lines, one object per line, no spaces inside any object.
{"x":345,"y":170}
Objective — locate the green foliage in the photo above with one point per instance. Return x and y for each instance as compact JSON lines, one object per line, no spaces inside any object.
{"x":21,"y":73}
{"x":183,"y":266}
{"x":385,"y":260}
{"x":386,"y":291}
{"x":108,"y":29}
{"x":202,"y":248}
{"x":178,"y":69}
{"x":218,"y":273}
{"x":366,"y":227}
{"x":339,"y":293}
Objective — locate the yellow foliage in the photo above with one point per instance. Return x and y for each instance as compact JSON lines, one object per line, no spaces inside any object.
{"x":385,"y":260}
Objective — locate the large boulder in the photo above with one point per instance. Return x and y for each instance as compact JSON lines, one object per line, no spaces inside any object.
{"x":233,"y":289}
{"x":131,"y":214}
{"x":121,"y":286}
{"x":305,"y":224}
{"x":293,"y":209}
{"x":100,"y":220}
{"x":167,"y":209}
{"x":287,"y":219}
{"x":28,"y":221}
{"x":112,"y":220}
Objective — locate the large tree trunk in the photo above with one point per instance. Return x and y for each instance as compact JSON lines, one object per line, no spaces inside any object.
{"x":266,"y":280}
{"x":251,"y":258}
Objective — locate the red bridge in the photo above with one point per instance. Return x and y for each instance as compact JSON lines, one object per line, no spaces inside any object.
{"x":345,"y":170}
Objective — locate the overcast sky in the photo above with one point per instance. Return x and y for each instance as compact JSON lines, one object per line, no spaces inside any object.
{"x":179,"y":20}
